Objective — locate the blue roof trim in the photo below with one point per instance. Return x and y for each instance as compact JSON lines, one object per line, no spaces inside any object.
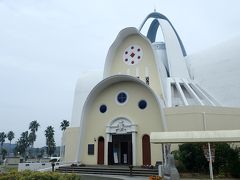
{"x":152,"y":31}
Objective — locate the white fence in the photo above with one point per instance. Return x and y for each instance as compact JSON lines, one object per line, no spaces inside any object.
{"x":36,"y":166}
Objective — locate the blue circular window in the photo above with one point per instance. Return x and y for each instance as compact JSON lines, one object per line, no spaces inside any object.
{"x":122,"y":97}
{"x":103,"y":108}
{"x":142,"y":104}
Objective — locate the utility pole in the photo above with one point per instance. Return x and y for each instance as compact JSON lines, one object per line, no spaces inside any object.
{"x":209,"y":149}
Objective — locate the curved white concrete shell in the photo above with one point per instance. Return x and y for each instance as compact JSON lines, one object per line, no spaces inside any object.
{"x":83,"y":87}
{"x":105,"y":94}
{"x":217,"y":70}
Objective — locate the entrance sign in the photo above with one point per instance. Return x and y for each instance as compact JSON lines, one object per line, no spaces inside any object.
{"x":121,"y":126}
{"x":125,"y":158}
{"x":206,"y":152}
{"x":115,"y":157}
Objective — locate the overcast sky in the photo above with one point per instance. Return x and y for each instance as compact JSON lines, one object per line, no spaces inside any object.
{"x":46,"y":45}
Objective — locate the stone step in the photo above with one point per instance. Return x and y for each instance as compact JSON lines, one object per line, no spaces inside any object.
{"x":136,"y":171}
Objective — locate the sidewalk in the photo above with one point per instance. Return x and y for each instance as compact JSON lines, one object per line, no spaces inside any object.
{"x":118,"y":177}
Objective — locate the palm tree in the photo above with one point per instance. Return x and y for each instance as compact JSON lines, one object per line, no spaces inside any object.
{"x":23,"y":143}
{"x":31,"y":138}
{"x":4,"y":153}
{"x":33,"y":126}
{"x":50,"y":142}
{"x":10,"y":136}
{"x":64,"y":125}
{"x":2,"y":139}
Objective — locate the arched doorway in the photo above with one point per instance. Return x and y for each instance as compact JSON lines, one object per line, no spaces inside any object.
{"x":146,"y":150}
{"x":121,"y":142}
{"x":100,"y":159}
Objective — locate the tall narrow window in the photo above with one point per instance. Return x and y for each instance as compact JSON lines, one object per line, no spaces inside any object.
{"x":100,"y":159}
{"x":146,"y":150}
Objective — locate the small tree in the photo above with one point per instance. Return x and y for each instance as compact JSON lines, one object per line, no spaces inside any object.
{"x":4,"y":153}
{"x":64,"y":125}
{"x":192,"y":156}
{"x":2,"y":139}
{"x":23,"y":144}
{"x":227,"y":160}
{"x":42,"y":150}
{"x":50,"y":142}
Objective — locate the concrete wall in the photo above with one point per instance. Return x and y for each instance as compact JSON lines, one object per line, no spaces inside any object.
{"x":33,"y":166}
{"x":70,"y":143}
{"x":12,"y":160}
{"x":191,"y":118}
{"x":38,"y":166}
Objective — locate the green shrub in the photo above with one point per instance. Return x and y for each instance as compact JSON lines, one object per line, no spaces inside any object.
{"x":227,"y":160}
{"x":226,"y":163}
{"x":192,"y":156}
{"x":33,"y":175}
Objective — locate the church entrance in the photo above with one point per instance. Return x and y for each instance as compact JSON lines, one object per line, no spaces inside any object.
{"x":121,"y":135}
{"x":120,"y":150}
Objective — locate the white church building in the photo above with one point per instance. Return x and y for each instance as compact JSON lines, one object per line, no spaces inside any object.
{"x":147,"y":86}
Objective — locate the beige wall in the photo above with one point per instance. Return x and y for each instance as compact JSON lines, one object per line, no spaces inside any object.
{"x":147,"y":120}
{"x":178,"y":119}
{"x":12,"y":160}
{"x":190,"y":118}
{"x":71,"y":142}
{"x":118,"y":66}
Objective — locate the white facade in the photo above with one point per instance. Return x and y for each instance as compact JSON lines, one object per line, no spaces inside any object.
{"x":217,"y":70}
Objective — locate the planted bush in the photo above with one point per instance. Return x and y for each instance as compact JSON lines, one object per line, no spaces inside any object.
{"x":33,"y":175}
{"x":191,"y":159}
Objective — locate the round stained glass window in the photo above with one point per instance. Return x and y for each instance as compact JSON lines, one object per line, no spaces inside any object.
{"x":103,"y":108}
{"x":142,"y":104}
{"x":122,"y":97}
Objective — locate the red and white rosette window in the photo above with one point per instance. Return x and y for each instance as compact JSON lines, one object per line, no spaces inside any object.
{"x":132,"y":55}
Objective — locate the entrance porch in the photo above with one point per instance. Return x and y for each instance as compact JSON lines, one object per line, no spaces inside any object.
{"x":120,"y":144}
{"x":120,"y":150}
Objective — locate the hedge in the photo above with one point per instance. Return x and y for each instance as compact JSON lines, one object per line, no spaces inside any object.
{"x":33,"y":175}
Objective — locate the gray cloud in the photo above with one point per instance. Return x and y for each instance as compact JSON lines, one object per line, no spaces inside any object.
{"x":46,"y":45}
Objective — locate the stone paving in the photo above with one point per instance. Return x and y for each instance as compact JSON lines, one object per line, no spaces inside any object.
{"x":118,"y":177}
